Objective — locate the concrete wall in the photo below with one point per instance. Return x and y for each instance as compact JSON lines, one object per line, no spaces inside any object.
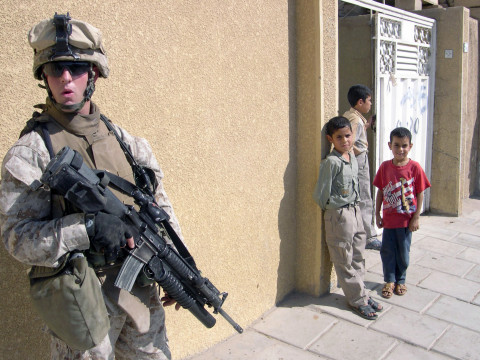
{"x":450,"y":111}
{"x":356,"y":57}
{"x":475,"y":14}
{"x":211,"y":85}
{"x":317,"y":102}
{"x":471,"y":128}
{"x":356,"y":66}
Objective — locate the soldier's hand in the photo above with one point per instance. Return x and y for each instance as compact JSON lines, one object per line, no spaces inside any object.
{"x":168,"y":301}
{"x":108,"y":234}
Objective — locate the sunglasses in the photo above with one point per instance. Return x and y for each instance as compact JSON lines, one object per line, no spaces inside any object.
{"x":75,"y":68}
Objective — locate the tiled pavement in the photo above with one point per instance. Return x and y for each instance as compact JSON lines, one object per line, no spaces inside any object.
{"x":438,"y":317}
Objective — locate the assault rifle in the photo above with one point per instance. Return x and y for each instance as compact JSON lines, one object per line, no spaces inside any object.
{"x":178,"y":275}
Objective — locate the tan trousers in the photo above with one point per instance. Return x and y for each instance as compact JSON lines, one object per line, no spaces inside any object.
{"x":346,"y":240}
{"x":366,"y":202}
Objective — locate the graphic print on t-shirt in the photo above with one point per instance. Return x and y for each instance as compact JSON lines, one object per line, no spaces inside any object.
{"x":399,"y":196}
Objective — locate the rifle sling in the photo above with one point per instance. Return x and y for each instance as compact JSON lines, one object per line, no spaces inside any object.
{"x":128,"y":188}
{"x":138,"y":171}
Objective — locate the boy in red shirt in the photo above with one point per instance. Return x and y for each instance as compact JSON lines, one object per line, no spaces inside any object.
{"x":401,"y":183}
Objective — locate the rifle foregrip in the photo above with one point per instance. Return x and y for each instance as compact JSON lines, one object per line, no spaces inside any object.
{"x":174,"y":288}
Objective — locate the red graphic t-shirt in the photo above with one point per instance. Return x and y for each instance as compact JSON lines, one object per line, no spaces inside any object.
{"x":400,"y":186}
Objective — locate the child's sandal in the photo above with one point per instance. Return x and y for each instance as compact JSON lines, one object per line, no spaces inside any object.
{"x":375,"y":305}
{"x":387,"y":290}
{"x":366,"y":312}
{"x":400,"y":289}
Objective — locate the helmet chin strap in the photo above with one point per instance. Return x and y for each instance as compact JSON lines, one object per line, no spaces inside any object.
{"x":87,"y":95}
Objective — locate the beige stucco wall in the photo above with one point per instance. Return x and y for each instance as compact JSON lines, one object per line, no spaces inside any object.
{"x":211,"y":85}
{"x":450,"y":110}
{"x":317,"y":101}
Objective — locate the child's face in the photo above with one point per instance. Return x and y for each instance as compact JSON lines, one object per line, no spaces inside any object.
{"x":364,"y":106}
{"x":400,"y":147}
{"x":341,"y":140}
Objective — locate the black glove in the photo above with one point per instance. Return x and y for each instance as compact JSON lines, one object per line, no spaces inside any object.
{"x":108,"y":234}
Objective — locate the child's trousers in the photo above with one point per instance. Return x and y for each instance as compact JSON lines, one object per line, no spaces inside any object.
{"x":346,"y":240}
{"x":395,"y":253}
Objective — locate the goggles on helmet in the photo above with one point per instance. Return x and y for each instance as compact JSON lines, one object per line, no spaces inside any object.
{"x":75,"y":68}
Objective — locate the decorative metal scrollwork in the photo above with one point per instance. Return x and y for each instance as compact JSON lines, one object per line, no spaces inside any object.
{"x":422,"y":35}
{"x":390,"y":28}
{"x":423,"y":60}
{"x":387,"y":57}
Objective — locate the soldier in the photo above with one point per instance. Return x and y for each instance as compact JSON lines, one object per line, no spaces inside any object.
{"x":40,"y":229}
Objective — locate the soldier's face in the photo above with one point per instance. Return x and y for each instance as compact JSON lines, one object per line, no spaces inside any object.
{"x":68,"y":89}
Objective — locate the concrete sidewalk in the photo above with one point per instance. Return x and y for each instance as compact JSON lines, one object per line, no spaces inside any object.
{"x":438,"y":317}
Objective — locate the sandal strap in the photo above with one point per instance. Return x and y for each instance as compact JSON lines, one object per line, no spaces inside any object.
{"x":366,"y":309}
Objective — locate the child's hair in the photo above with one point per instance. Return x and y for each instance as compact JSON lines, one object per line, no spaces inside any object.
{"x":357,"y":92}
{"x":338,"y":122}
{"x":401,"y":132}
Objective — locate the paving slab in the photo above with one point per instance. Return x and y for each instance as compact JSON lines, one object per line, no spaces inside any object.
{"x":469,"y":254}
{"x":460,"y":343}
{"x":409,"y":326}
{"x":415,"y":273}
{"x":417,"y":254}
{"x":296,"y":326}
{"x":436,"y":231}
{"x":252,"y":345}
{"x":377,"y":269}
{"x":372,"y":280}
{"x":451,"y":285}
{"x":469,"y":240}
{"x":434,"y":245}
{"x":336,"y":305}
{"x":446,"y":264}
{"x":352,"y":342}
{"x":465,"y":228}
{"x":372,"y":258}
{"x":476,"y":301}
{"x":474,"y":274}
{"x":416,"y":236}
{"x":409,"y":352}
{"x":456,"y":312}
{"x":416,"y":299}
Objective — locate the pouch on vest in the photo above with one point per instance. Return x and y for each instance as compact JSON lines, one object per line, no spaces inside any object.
{"x":70,"y":302}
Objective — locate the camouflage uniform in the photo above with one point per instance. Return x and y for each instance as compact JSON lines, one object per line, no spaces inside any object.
{"x":37,"y":229}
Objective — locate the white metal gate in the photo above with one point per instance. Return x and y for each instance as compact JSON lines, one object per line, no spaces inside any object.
{"x":404,"y":84}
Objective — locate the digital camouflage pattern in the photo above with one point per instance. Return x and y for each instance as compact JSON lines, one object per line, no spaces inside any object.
{"x":152,"y":345}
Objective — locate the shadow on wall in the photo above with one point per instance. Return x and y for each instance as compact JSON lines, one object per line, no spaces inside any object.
{"x":474,"y":171}
{"x":21,"y":327}
{"x":287,"y":226}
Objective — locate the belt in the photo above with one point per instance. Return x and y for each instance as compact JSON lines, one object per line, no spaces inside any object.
{"x":348,"y":206}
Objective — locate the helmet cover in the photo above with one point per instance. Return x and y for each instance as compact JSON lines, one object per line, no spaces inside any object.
{"x":66,"y":39}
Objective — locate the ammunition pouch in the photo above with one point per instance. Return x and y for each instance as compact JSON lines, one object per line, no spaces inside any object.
{"x":70,"y":301}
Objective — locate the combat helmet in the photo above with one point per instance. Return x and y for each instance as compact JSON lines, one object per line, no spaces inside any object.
{"x":65,"y":39}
